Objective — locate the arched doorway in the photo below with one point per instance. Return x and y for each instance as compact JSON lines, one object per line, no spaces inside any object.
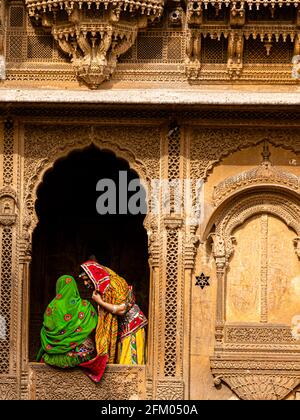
{"x":70,"y":230}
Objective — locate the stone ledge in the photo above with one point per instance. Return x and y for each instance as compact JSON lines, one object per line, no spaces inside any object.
{"x":119,"y":382}
{"x":152,"y":96}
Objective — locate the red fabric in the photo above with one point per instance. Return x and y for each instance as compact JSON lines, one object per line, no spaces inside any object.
{"x":98,"y":275}
{"x":132,"y":321}
{"x":95,"y":368}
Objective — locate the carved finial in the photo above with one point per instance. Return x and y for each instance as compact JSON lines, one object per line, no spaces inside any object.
{"x":266,"y":153}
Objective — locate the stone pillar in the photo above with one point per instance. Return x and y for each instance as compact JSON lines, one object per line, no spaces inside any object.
{"x":8,"y":286}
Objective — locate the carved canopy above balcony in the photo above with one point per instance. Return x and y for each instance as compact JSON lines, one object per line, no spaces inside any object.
{"x":251,"y":4}
{"x":94,"y":33}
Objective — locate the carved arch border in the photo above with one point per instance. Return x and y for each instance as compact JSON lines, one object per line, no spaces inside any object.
{"x":233,"y":203}
{"x":39,"y":163}
{"x":271,"y":202}
{"x":30,"y":219}
{"x":231,"y":141}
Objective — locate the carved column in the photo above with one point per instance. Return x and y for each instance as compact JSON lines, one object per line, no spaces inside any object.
{"x":170,"y":369}
{"x":194,"y":18}
{"x":2,"y":40}
{"x":219,"y":254}
{"x":154,"y":248}
{"x":8,"y":217}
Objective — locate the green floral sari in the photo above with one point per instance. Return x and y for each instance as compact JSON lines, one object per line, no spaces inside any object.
{"x":68,"y":324}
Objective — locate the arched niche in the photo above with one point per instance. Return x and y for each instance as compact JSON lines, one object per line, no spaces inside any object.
{"x":253,"y":232}
{"x":70,"y":230}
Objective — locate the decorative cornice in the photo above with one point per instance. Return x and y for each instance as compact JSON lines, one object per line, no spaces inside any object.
{"x":251,"y":4}
{"x":147,"y":7}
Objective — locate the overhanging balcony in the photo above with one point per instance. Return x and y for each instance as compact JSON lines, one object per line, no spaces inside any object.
{"x":94,"y":33}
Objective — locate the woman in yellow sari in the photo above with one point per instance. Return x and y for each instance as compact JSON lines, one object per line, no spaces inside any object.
{"x":120,"y":332}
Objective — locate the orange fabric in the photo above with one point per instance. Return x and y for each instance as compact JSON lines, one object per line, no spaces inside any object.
{"x":107,"y":329}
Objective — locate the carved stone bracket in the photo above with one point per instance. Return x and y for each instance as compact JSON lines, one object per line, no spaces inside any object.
{"x":193,"y":54}
{"x":190,"y":251}
{"x":257,"y":379}
{"x":94,"y":45}
{"x":235,"y":54}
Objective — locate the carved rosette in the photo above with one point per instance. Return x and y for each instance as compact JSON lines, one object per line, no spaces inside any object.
{"x":94,"y":33}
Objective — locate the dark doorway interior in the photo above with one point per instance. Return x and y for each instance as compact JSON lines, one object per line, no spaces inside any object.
{"x":70,"y":230}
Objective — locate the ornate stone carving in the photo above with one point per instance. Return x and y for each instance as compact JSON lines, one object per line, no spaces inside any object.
{"x":95,"y":45}
{"x":118,"y":383}
{"x":80,"y":28}
{"x":259,"y":386}
{"x":265,"y":174}
{"x":210,"y":145}
{"x":8,"y":206}
{"x":8,"y":389}
{"x":170,"y":390}
{"x":247,"y":3}
{"x":151,"y":225}
{"x":44,"y":145}
{"x":235,"y":54}
{"x":257,"y":379}
{"x":259,"y":335}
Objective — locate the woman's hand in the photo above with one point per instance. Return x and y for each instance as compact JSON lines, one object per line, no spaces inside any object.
{"x":97,"y":298}
{"x":113,"y":309}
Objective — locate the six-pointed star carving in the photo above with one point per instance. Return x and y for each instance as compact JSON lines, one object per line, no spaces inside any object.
{"x":202,"y":280}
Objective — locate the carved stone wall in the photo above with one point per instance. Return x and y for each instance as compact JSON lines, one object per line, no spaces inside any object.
{"x":190,"y":346}
{"x":118,"y":382}
{"x":253,"y":334}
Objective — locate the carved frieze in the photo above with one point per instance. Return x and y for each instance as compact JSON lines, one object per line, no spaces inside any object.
{"x":118,"y":383}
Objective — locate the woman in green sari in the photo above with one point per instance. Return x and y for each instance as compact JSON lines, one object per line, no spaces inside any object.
{"x":69,"y":322}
